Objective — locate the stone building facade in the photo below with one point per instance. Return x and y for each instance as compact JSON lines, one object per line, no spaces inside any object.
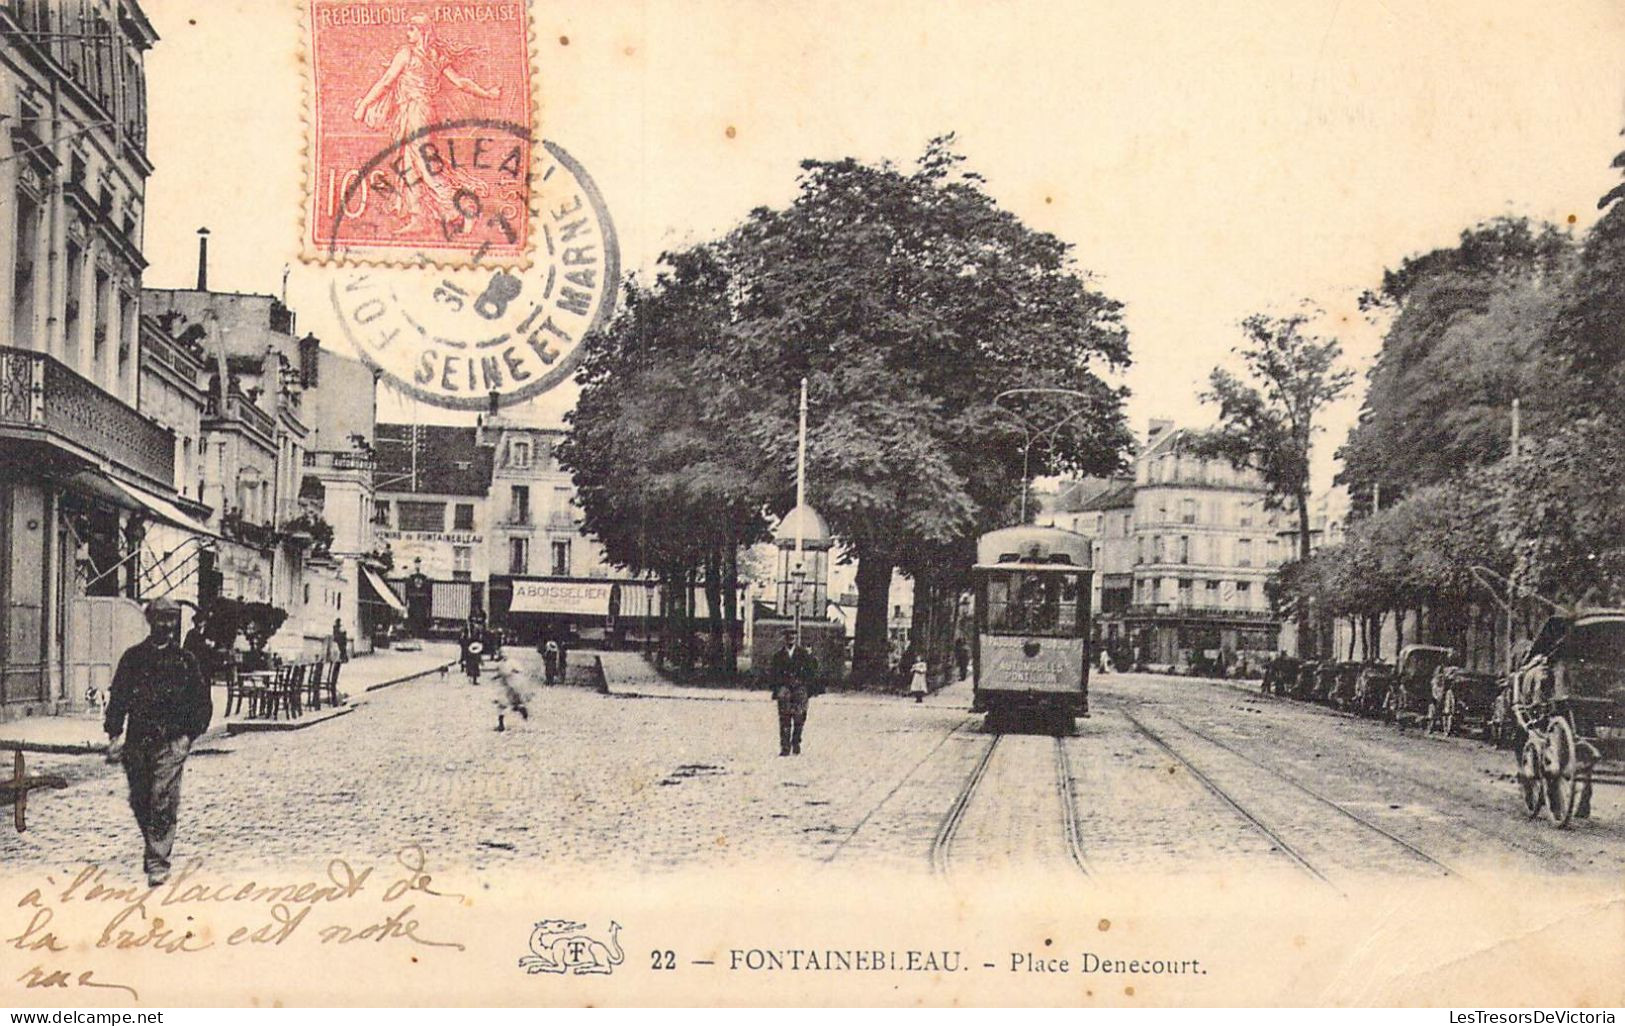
{"x":83,"y":474}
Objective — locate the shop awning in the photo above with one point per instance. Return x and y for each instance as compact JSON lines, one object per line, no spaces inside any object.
{"x":385,"y":593}
{"x":163,"y":509}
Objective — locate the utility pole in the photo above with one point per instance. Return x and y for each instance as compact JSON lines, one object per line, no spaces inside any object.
{"x":801,"y":500}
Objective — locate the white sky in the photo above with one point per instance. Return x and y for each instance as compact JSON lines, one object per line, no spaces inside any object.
{"x":1207,"y":159}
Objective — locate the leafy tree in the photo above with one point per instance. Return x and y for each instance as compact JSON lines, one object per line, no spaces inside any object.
{"x":1267,"y":419}
{"x":1560,"y":514}
{"x":909,"y":300}
{"x":1590,"y":333}
{"x":1467,"y":336}
{"x":664,"y":478}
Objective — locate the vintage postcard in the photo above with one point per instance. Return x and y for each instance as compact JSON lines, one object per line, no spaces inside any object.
{"x":545,"y":503}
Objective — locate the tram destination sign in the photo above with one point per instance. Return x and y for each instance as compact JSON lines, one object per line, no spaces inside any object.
{"x":1031,"y":664}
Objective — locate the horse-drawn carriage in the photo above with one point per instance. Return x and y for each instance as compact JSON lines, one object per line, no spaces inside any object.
{"x":1568,"y":698}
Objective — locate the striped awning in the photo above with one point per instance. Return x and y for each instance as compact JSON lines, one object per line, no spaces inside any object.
{"x":383,"y":591}
{"x":451,"y":600}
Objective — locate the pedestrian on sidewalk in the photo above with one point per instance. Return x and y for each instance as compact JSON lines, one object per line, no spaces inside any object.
{"x":793,"y":674}
{"x":341,"y":641}
{"x":917,"y":686}
{"x":962,"y":657}
{"x":551,"y":658}
{"x":471,"y":649}
{"x":159,"y":703}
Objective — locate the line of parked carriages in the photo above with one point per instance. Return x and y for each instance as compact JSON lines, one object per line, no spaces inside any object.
{"x":1424,"y":687}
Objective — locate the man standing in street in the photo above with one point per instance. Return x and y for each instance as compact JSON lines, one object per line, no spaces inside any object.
{"x":160,"y":698}
{"x":794,"y":670}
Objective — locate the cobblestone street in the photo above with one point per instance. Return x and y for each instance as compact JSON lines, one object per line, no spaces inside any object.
{"x":1170,"y":774}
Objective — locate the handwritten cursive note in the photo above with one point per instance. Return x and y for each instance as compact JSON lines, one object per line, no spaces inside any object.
{"x":98,"y":912}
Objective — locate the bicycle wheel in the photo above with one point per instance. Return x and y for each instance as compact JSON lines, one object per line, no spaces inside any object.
{"x":1562,"y":767}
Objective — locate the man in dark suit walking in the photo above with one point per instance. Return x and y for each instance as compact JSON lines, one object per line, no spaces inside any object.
{"x":160,"y":702}
{"x":793,"y":674}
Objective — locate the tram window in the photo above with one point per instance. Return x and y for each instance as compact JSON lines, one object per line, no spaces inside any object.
{"x":1032,"y":603}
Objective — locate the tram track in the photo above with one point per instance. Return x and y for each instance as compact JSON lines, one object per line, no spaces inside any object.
{"x":1330,"y":803}
{"x":1280,"y":843}
{"x":948,"y":838}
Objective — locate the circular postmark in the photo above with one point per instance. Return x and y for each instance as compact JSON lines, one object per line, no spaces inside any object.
{"x":454,"y":336}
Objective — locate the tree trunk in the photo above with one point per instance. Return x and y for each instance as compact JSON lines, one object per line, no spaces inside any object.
{"x":713,"y":602}
{"x":870,"y":646}
{"x":730,"y":603}
{"x":1306,"y":629}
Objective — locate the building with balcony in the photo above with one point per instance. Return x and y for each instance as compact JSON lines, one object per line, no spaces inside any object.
{"x":287,"y":432}
{"x":83,"y":473}
{"x":179,"y":559}
{"x":1204,"y":544}
{"x":431,"y":483}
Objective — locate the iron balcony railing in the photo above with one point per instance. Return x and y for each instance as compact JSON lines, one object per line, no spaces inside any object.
{"x":39,"y":392}
{"x":240,"y":407}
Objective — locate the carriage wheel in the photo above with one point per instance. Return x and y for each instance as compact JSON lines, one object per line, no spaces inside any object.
{"x":1449,"y":713}
{"x":1529,"y":778}
{"x":1562,"y":768}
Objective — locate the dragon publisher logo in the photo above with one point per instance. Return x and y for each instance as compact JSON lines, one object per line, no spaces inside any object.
{"x":562,"y":946}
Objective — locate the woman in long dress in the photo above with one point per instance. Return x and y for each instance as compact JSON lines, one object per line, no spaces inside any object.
{"x":403,"y":101}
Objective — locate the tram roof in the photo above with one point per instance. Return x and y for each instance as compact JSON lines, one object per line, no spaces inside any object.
{"x":1033,"y":548}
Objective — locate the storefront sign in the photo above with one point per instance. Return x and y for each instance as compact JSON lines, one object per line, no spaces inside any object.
{"x":582,"y":598}
{"x":454,"y":538}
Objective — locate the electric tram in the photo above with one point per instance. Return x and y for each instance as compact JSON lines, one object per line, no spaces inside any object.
{"x":1031,"y":645}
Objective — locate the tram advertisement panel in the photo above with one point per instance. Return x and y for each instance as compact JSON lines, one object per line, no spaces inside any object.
{"x":1031,"y":664}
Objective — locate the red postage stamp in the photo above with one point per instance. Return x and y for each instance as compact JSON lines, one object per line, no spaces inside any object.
{"x":421,"y":123}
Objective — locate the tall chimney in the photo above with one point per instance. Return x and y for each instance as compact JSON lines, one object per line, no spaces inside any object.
{"x":203,"y":259}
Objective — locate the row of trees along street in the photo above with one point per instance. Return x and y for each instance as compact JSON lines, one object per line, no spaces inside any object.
{"x":1517,"y":310}
{"x":908,"y":300}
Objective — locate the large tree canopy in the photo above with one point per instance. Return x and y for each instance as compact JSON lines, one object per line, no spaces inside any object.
{"x":908,"y":300}
{"x":1467,"y":336}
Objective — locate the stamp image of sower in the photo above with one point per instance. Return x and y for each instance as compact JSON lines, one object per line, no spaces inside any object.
{"x":383,"y":186}
{"x":453,"y":337}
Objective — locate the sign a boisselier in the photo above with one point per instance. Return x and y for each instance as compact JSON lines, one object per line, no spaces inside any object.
{"x":585,"y":598}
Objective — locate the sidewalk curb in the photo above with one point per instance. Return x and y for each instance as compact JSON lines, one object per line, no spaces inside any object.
{"x":381,"y":685}
{"x":214,"y":733}
{"x":273,"y":726}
